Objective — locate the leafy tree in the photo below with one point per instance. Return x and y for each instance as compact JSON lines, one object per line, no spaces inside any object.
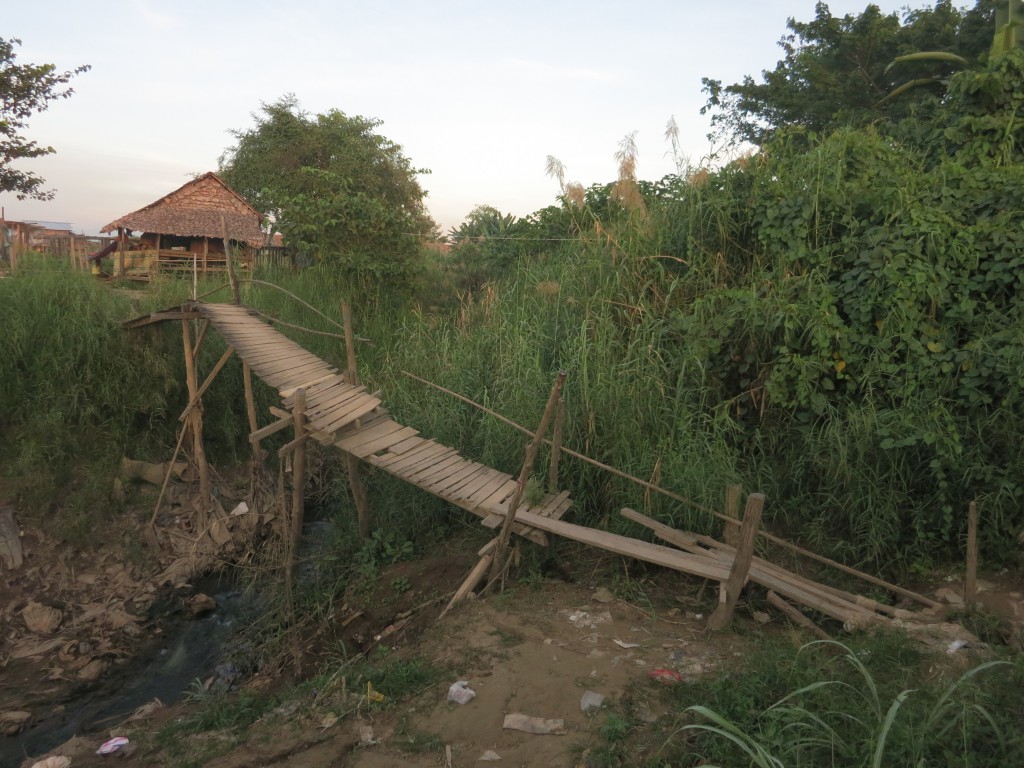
{"x":24,"y":90}
{"x":335,"y":188}
{"x":485,"y":245}
{"x":836,"y":69}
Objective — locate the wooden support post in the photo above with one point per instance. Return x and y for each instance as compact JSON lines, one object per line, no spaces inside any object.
{"x":203,"y":328}
{"x":298,"y":488}
{"x":730,"y":531}
{"x":498,"y":563}
{"x":474,"y":578}
{"x":193,"y":402}
{"x":72,"y":258}
{"x":971,"y":577}
{"x":741,"y":563}
{"x":556,"y":447}
{"x":196,"y":424}
{"x":236,"y":295}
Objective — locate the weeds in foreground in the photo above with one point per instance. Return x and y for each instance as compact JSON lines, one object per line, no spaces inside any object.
{"x":853,"y":716}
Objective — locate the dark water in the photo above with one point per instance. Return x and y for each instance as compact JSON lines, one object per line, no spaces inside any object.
{"x":193,"y":649}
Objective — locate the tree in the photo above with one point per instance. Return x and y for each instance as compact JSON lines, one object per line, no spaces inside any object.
{"x":24,"y":90}
{"x":836,"y":70}
{"x":335,"y":188}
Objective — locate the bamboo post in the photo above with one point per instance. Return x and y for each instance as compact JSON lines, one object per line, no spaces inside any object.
{"x":355,"y":481}
{"x":498,"y":563}
{"x":556,"y":447}
{"x":72,"y":258}
{"x":236,"y":296}
{"x":730,"y":531}
{"x":741,"y":562}
{"x":971,"y":577}
{"x":196,"y":425}
{"x":250,"y":406}
{"x":298,"y":487}
{"x":194,"y":401}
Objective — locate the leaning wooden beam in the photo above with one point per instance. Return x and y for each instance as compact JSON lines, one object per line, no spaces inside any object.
{"x":209,"y":380}
{"x":498,"y":563}
{"x":271,"y":429}
{"x":683,"y":500}
{"x":741,"y":562}
{"x":695,"y":565}
{"x":474,"y":578}
{"x":796,"y":617}
{"x":852,"y":610}
{"x":167,"y":476}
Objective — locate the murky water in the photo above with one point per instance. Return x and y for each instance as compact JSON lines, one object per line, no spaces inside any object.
{"x":193,"y":650}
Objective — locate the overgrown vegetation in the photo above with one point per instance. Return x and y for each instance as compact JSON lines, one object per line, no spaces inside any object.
{"x":872,"y":706}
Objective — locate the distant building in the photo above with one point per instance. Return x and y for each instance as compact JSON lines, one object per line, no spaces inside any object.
{"x":187,"y":227}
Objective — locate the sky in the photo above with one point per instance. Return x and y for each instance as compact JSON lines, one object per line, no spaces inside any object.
{"x":480,"y":93}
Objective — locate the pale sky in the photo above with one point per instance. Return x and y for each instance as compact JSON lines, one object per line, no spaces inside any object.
{"x":479,"y":92}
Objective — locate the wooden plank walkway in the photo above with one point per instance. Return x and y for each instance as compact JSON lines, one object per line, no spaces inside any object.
{"x":353,"y":421}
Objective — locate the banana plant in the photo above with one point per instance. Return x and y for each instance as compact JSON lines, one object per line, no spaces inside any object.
{"x":1009,"y":20}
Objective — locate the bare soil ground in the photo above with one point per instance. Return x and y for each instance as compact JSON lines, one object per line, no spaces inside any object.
{"x":534,"y":649}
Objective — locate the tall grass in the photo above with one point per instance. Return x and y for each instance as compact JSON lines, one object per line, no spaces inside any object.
{"x":850,"y":708}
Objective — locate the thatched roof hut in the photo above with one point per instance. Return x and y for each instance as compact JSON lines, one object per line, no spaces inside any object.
{"x":198,"y":210}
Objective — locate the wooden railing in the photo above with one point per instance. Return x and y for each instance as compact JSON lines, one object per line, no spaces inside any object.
{"x":142,"y":264}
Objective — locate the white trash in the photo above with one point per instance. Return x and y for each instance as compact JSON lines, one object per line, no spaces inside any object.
{"x":591,"y":700}
{"x":460,"y":692}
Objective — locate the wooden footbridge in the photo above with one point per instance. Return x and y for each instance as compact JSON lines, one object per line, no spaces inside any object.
{"x":344,"y":415}
{"x":329,"y":406}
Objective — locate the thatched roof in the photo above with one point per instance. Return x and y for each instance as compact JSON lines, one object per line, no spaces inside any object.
{"x":195,"y":210}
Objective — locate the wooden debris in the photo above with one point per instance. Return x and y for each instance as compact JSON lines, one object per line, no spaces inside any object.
{"x":796,"y":617}
{"x":11,"y":556}
{"x":741,"y":562}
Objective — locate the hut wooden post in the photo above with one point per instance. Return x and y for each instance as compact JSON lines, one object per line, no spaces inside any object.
{"x":195,"y":421}
{"x":355,"y":481}
{"x":971,"y":576}
{"x":741,"y":562}
{"x":121,"y":245}
{"x":206,"y":253}
{"x":556,"y":447}
{"x":236,"y":296}
{"x":498,"y":562}
{"x":72,"y":257}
